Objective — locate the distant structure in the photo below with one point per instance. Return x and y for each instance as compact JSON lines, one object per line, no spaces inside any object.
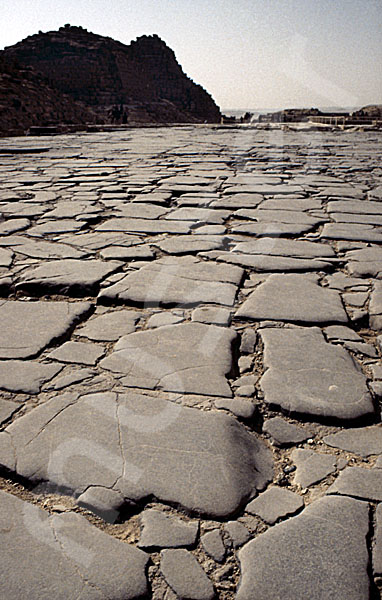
{"x":121,"y":84}
{"x":369,"y":115}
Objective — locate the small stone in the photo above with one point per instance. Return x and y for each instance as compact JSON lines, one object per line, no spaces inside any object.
{"x":210,"y":314}
{"x":275,"y":504}
{"x":165,"y":531}
{"x":213,"y":545}
{"x":312,"y":467}
{"x":245,"y":363}
{"x":284,"y":433}
{"x":243,"y":409}
{"x":238,"y":533}
{"x":161,"y":319}
{"x":246,"y":390}
{"x":185,"y":576}
{"x":248,"y":341}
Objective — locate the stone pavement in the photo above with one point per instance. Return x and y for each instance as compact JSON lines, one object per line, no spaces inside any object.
{"x":190,"y":374}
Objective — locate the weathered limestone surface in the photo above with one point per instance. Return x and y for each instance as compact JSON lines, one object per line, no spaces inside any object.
{"x":190,"y":365}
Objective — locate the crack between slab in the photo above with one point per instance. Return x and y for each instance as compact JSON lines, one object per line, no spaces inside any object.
{"x":121,"y":449}
{"x":50,"y":420}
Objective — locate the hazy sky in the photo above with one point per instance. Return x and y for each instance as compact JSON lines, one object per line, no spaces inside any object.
{"x":246,"y":53}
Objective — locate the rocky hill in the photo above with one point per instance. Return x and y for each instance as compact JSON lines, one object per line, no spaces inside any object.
{"x":140,"y":82}
{"x":27,"y":100}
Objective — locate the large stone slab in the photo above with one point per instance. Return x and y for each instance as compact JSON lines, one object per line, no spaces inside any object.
{"x":306,"y":375}
{"x":321,"y":553}
{"x":360,"y":483}
{"x":136,"y":447}
{"x":153,"y":226}
{"x":296,"y":298}
{"x":170,"y":281}
{"x":351,"y":231}
{"x":62,"y":556}
{"x":76,"y":277}
{"x":267,"y":263}
{"x":29,"y":327}
{"x":110,"y":326}
{"x":189,"y":358}
{"x":285,"y":247}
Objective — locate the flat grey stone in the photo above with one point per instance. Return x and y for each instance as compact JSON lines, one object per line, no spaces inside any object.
{"x":284,"y":247}
{"x":47,"y":322}
{"x":260,"y":262}
{"x":66,"y":276}
{"x":110,"y":326}
{"x":361,"y":348}
{"x":63,"y":556}
{"x":143,"y":252}
{"x":210,"y":314}
{"x":213,"y":545}
{"x":358,"y":482}
{"x":28,"y":377}
{"x":237,"y":201}
{"x":366,"y":262}
{"x":264,"y":188}
{"x":375,"y":307}
{"x":238,"y":533}
{"x":186,"y":244}
{"x":306,"y":375}
{"x":351,"y":231}
{"x":312,"y":467}
{"x":275,"y":504}
{"x":141,"y":210}
{"x":13,"y":225}
{"x":95,"y":240}
{"x":139,"y":447}
{"x":165,"y":531}
{"x":364,"y":441}
{"x":295,"y":298}
{"x":171,"y":281}
{"x":279,"y":216}
{"x":6,"y":257}
{"x":202,"y":215}
{"x":78,"y":353}
{"x":377,"y":548}
{"x":153,"y":226}
{"x":51,"y":250}
{"x":164,"y":318}
{"x":341,"y":332}
{"x":55,"y":227}
{"x":248,"y":341}
{"x":318,"y":554}
{"x":185,"y":576}
{"x":284,"y":433}
{"x":244,"y":409}
{"x":342,"y":191}
{"x":354,"y":207}
{"x":168,"y":358}
{"x":268,"y":229}
{"x":7,"y":409}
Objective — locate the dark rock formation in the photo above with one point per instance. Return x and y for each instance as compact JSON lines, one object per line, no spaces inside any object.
{"x":27,"y":100}
{"x":141,"y":82}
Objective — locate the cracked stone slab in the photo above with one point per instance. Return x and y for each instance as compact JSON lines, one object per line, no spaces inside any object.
{"x":295,"y":298}
{"x":375,"y":307}
{"x":63,"y":556}
{"x":363,"y":441}
{"x":169,"y":358}
{"x":366,"y":262}
{"x":28,"y":377}
{"x":66,"y":276}
{"x":186,"y":244}
{"x":358,"y":482}
{"x":29,"y":327}
{"x":306,"y":375}
{"x":312,"y":467}
{"x":42,"y":249}
{"x":185,"y":575}
{"x":7,"y":409}
{"x":165,"y":531}
{"x":170,"y":281}
{"x":137,"y":447}
{"x":275,"y":504}
{"x":321,"y":553}
{"x":110,"y":326}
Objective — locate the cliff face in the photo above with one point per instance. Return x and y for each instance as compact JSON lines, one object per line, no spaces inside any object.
{"x":113,"y":78}
{"x":27,"y":100}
